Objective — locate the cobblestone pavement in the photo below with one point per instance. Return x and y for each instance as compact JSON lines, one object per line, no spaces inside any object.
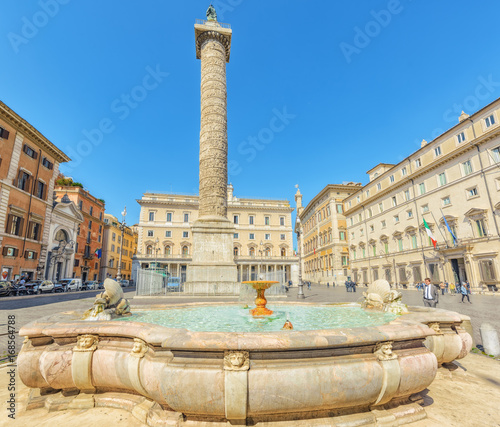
{"x":484,"y":308}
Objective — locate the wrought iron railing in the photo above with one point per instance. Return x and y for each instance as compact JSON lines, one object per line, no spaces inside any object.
{"x":219,"y":24}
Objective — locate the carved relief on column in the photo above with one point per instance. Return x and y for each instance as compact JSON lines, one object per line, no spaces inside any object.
{"x":213,"y":125}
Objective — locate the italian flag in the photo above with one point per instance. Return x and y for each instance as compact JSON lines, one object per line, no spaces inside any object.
{"x":429,"y":233}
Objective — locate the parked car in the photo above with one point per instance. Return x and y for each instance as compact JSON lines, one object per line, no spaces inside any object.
{"x":174,"y":284}
{"x":124,"y":283}
{"x":46,"y":286}
{"x":58,"y":287}
{"x":91,"y":285}
{"x":7,"y":288}
{"x":100,"y":285}
{"x":32,"y":287}
{"x":70,"y":285}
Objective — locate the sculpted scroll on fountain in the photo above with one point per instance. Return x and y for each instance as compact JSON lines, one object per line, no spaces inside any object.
{"x":109,"y":304}
{"x":379,"y":296}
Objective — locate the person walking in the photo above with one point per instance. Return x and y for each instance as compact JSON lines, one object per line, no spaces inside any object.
{"x":465,"y":292}
{"x":327,"y":284}
{"x":431,"y":294}
{"x":452,"y":289}
{"x":442,"y":287}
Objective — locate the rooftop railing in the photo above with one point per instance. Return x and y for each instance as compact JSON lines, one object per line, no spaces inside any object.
{"x":215,"y":23}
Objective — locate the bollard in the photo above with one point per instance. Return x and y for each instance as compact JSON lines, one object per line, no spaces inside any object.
{"x":489,"y":337}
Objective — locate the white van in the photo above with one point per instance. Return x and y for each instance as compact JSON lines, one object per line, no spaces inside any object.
{"x":71,"y":284}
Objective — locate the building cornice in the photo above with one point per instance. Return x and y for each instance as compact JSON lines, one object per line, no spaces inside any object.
{"x":33,"y":134}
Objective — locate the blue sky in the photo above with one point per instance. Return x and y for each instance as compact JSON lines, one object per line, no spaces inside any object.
{"x":318,"y":92}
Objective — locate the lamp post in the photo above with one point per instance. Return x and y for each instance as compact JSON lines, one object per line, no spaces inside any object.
{"x":156,"y":253}
{"x":300,"y":294}
{"x":122,"y":228}
{"x":259,"y":276}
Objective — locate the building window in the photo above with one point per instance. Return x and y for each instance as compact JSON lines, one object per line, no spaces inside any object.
{"x":342,"y":235}
{"x":403,"y":172}
{"x":481,"y":229}
{"x":282,"y":237}
{"x":386,"y":247}
{"x":472,"y":192}
{"x":396,"y":218}
{"x":383,"y":223}
{"x":379,"y":186}
{"x":381,"y":207}
{"x":185,"y":250}
{"x":283,"y":252}
{"x":282,"y":221}
{"x":185,"y":234}
{"x":400,"y":244}
{"x":100,"y":216}
{"x":251,"y":236}
{"x":168,"y":250}
{"x":80,"y":205}
{"x":112,"y":248}
{"x":251,"y":219}
{"x":113,"y":236}
{"x":168,"y":233}
{"x":391,"y":178}
{"x":236,"y":236}
{"x":251,"y":251}
{"x":149,"y":250}
{"x":487,"y":269}
{"x":495,"y":153}
{"x":88,"y":236}
{"x":100,"y":228}
{"x":394,"y":201}
{"x":434,"y":272}
{"x":410,"y":214}
{"x":23,"y":180}
{"x":467,"y":167}
{"x":352,"y":220}
{"x":186,"y":217}
{"x":34,"y":230}
{"x":150,"y":233}
{"x":4,"y":133}
{"x":461,"y":137}
{"x":30,"y":152}
{"x":425,"y":208}
{"x":236,"y":219}
{"x":414,"y":241}
{"x":345,"y":260}
{"x":422,"y":188}
{"x":91,"y":210}
{"x":437,"y":151}
{"x":267,"y":220}
{"x":370,"y":213}
{"x":489,"y":121}
{"x":40,"y":190}
{"x":46,"y":163}
{"x":364,"y":252}
{"x":151,"y":216}
{"x":418,"y":163}
{"x":367,"y":193}
{"x":442,"y":179}
{"x":169,"y":216}
{"x":446,"y":201}
{"x":268,"y":237}
{"x":407,"y":195}
{"x":339,"y":209}
{"x":235,"y":251}
{"x":14,"y":225}
{"x":90,"y":225}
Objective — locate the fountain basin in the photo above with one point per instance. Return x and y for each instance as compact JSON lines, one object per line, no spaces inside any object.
{"x":235,"y":375}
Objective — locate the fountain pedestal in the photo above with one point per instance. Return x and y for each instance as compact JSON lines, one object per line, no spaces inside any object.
{"x":260,"y":286}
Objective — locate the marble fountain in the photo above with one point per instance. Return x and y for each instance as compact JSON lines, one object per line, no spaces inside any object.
{"x":187,"y":364}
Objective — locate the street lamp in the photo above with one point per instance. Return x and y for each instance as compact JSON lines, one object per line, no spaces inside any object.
{"x":156,"y":254}
{"x":260,"y":276}
{"x":300,"y":294}
{"x":122,"y":228}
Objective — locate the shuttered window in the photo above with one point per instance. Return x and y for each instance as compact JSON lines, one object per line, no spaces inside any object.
{"x":14,"y":225}
{"x":30,"y":151}
{"x":4,"y":133}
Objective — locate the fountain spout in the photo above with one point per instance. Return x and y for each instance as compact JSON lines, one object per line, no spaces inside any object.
{"x":260,"y":286}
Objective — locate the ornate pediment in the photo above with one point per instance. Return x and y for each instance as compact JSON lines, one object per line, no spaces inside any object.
{"x":475,"y":212}
{"x":410,"y":229}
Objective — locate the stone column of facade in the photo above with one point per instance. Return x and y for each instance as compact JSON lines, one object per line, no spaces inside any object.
{"x":213,"y":261}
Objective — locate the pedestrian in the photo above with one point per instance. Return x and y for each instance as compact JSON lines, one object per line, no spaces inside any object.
{"x":327,"y":284}
{"x":431,"y":294}
{"x":353,"y":284}
{"x":465,"y":290}
{"x":309,"y":285}
{"x":442,"y":287}
{"x":347,"y":285}
{"x":452,"y":289}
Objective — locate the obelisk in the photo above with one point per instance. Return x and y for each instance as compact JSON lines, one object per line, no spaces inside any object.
{"x":213,"y":268}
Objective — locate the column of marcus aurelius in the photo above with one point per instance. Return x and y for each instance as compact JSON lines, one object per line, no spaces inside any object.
{"x":213,"y":268}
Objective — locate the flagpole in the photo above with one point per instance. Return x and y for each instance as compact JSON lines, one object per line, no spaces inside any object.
{"x":437,"y":225}
{"x":453,"y":237}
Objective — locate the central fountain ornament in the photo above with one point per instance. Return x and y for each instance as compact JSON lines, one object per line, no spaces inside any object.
{"x":260,"y":286}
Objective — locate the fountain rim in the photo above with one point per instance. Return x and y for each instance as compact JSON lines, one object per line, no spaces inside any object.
{"x":413,"y":325}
